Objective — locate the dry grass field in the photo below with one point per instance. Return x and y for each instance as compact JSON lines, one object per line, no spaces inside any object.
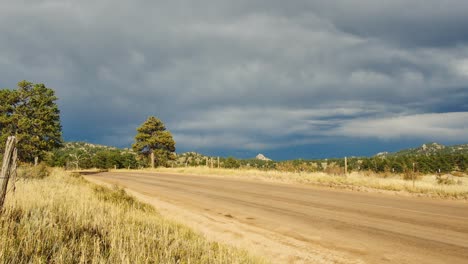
{"x":65,"y":219}
{"x":425,"y":185}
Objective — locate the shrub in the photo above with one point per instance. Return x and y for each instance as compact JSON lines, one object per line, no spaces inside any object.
{"x":231,"y":163}
{"x":458,"y":174}
{"x":34,"y":172}
{"x":409,"y":175}
{"x":445,"y":179}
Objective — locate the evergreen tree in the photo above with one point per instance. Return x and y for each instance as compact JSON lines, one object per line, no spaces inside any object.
{"x":155,"y":141}
{"x":231,"y":163}
{"x":31,"y":114}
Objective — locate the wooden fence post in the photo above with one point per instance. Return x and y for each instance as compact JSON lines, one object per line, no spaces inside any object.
{"x":6,"y":168}
{"x":13,"y":168}
{"x":345,"y":165}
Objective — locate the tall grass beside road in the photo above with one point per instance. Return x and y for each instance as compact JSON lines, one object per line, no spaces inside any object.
{"x":65,"y":219}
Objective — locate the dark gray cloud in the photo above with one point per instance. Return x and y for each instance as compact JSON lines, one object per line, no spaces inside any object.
{"x":249,"y":75}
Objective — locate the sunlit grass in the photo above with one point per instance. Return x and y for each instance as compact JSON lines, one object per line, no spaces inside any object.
{"x":64,"y":219}
{"x":426,"y":185}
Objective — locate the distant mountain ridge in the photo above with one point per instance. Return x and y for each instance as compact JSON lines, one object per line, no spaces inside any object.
{"x":85,"y":145}
{"x":91,"y":148}
{"x":426,"y":149}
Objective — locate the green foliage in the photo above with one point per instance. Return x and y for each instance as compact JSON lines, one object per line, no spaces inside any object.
{"x":258,"y":164}
{"x":152,"y":137}
{"x":432,"y":149}
{"x":298,"y":165}
{"x":447,"y":162}
{"x":96,"y":156}
{"x":80,"y":155}
{"x":231,"y":163}
{"x":30,"y":113}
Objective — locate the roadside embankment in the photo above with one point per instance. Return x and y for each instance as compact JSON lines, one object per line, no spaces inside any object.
{"x":65,"y":219}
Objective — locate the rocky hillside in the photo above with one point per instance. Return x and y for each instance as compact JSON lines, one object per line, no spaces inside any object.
{"x":429,"y":149}
{"x":91,"y":147}
{"x":262,"y":157}
{"x":190,"y":158}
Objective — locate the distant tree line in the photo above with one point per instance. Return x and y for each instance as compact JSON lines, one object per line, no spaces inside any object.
{"x":80,"y":155}
{"x":422,"y":163}
{"x":153,"y":146}
{"x":434,"y":163}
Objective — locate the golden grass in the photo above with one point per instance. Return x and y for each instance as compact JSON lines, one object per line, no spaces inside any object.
{"x":425,"y":185}
{"x":65,"y":219}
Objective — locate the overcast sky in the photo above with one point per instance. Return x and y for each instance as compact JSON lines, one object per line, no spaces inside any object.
{"x":289,"y":79}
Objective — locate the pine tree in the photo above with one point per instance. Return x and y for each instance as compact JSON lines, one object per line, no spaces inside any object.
{"x":155,"y":141}
{"x":30,"y":113}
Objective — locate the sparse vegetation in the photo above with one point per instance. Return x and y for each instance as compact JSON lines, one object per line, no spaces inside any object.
{"x":34,"y":172}
{"x":64,"y":219}
{"x":445,"y":179}
{"x":364,"y":181}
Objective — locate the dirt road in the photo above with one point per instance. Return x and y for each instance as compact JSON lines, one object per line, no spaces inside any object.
{"x":304,"y":224}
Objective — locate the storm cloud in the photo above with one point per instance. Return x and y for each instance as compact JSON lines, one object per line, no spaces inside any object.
{"x":241,"y":77}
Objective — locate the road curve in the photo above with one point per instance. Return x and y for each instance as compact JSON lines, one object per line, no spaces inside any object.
{"x":320,"y":224}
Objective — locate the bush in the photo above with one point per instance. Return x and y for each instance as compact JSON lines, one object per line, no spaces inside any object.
{"x":445,"y":179}
{"x":231,"y":163}
{"x":409,"y":175}
{"x":34,"y":172}
{"x":40,"y":171}
{"x":458,"y":174}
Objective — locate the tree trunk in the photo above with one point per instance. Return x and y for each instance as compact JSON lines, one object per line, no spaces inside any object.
{"x":6,"y":168}
{"x":152,"y":159}
{"x":36,"y":161}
